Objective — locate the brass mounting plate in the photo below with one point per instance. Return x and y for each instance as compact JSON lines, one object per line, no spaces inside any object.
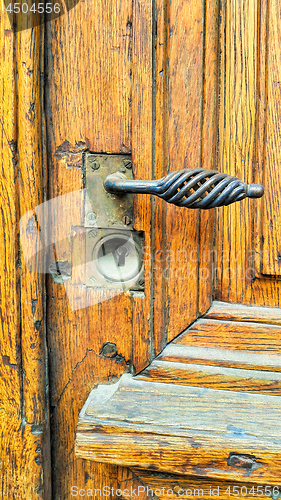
{"x":103,"y":209}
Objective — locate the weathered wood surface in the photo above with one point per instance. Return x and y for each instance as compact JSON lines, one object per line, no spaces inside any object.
{"x":185,"y":136}
{"x":103,"y":116}
{"x":239,"y":344}
{"x":160,"y":104}
{"x":218,"y":356}
{"x":193,"y":487}
{"x":24,"y":455}
{"x":208,"y":149}
{"x":208,"y":372}
{"x":184,"y":430}
{"x":214,"y":391}
{"x":142,"y":155}
{"x":248,"y":147}
{"x":88,"y":107}
{"x":271,"y":212}
{"x":240,"y":336}
{"x":117,"y":111}
{"x":239,"y":312}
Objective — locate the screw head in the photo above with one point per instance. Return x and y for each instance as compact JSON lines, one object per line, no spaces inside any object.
{"x":95,"y":165}
{"x":126,"y":220}
{"x":93,"y":233}
{"x":128,"y":164}
{"x":93,"y":160}
{"x":92,"y":218}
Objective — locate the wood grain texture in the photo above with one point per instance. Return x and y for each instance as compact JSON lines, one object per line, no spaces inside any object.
{"x":261,"y":130}
{"x":183,"y":430}
{"x":103,"y":116}
{"x":251,"y":337}
{"x":131,"y":485}
{"x":79,"y":94}
{"x":237,"y":118}
{"x":185,"y":52}
{"x":241,"y":146}
{"x":209,"y":150}
{"x":194,"y":487}
{"x":240,"y":312}
{"x":213,"y":377}
{"x":25,"y":457}
{"x":142,"y":155}
{"x":271,"y":233}
{"x":178,"y":132}
{"x":234,"y":344}
{"x":217,"y":356}
{"x":160,"y":169}
{"x":79,"y":120}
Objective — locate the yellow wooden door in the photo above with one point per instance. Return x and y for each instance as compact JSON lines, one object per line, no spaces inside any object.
{"x":178,"y":84}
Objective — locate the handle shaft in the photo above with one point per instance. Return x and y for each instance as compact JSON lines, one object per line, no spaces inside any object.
{"x":191,"y":188}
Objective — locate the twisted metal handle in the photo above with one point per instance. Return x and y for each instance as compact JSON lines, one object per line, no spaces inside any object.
{"x":196,"y":188}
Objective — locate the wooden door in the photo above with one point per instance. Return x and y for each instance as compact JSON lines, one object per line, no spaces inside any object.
{"x":173,"y":84}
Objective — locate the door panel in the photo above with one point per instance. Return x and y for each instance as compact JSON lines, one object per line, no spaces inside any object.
{"x":24,"y":420}
{"x":90,"y":104}
{"x":175,"y":84}
{"x":185,"y":134}
{"x":247,"y":235}
{"x":270,"y":218}
{"x":100,"y":98}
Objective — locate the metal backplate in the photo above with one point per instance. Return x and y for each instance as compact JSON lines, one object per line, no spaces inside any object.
{"x":114,"y":250}
{"x":103,"y":209}
{"x":114,"y":259}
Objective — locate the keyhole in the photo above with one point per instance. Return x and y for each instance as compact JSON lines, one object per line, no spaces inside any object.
{"x":121,"y":253}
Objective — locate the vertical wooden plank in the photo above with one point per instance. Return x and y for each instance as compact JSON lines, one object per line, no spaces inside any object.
{"x":271,"y":228}
{"x":185,"y":49}
{"x":261,"y":128}
{"x":89,"y":81}
{"x":31,"y":191}
{"x":179,"y":100}
{"x":142,"y":154}
{"x":32,"y":172}
{"x":25,"y":461}
{"x":184,"y":146}
{"x":242,"y":135}
{"x":160,"y":170}
{"x":209,"y":142}
{"x":237,"y":125}
{"x":10,"y":379}
{"x":94,"y":96}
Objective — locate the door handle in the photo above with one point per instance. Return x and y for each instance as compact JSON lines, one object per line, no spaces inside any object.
{"x":191,"y":188}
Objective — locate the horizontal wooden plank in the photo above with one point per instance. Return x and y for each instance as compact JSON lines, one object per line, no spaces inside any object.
{"x":184,"y":430}
{"x":165,"y":485}
{"x":221,"y":357}
{"x":241,"y":312}
{"x":241,"y":336}
{"x":213,"y":377}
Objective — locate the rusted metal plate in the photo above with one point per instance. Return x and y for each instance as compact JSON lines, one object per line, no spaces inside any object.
{"x":103,"y":209}
{"x":114,"y":251}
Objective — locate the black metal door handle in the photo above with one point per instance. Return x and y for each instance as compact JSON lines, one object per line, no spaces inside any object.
{"x":191,"y":188}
